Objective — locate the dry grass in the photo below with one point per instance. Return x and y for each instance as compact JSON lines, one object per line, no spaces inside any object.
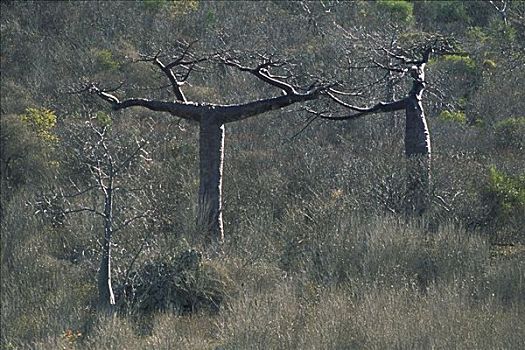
{"x":350,"y":283}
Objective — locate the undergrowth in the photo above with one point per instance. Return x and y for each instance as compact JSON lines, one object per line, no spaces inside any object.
{"x":354,"y":282}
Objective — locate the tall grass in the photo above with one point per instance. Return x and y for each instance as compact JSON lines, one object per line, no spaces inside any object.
{"x":331,"y":280}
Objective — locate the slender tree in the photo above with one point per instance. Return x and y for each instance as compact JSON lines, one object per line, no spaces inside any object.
{"x":112,"y":184}
{"x":212,"y":118}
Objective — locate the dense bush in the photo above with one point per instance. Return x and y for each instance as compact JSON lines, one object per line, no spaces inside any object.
{"x":510,"y":133}
{"x":458,"y":117}
{"x":505,"y":196}
{"x":184,"y":284}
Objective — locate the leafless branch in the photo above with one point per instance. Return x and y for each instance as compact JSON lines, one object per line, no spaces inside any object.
{"x":132,"y":156}
{"x":343,"y":93}
{"x":390,"y":68}
{"x":261,"y":72}
{"x":308,"y":123}
{"x":166,"y":69}
{"x":502,"y":9}
{"x":183,"y":110}
{"x":381,"y":107}
{"x":131,"y":220}
{"x":83,"y":209}
{"x":79,"y":193}
{"x":135,"y":257}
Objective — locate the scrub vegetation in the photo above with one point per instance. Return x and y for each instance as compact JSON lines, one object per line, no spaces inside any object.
{"x":262,"y":175}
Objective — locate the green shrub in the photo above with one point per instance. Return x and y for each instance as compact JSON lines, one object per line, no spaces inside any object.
{"x":460,"y":65}
{"x":399,"y":9}
{"x":103,"y":119}
{"x":477,"y":34}
{"x":510,"y":133}
{"x":507,"y":191}
{"x":504,"y":198}
{"x":454,"y":116}
{"x":106,"y":60}
{"x":42,"y":121}
{"x":184,"y":284}
{"x":445,"y":11}
{"x":177,"y":7}
{"x":27,"y":149}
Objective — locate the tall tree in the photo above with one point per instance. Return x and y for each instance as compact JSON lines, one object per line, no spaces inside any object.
{"x":418,"y":154}
{"x":212,"y":117}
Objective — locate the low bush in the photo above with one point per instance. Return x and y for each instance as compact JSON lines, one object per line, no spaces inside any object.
{"x":184,"y":284}
{"x":510,"y":133}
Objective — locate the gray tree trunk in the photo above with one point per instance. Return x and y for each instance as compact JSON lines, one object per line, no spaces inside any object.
{"x":211,"y":153}
{"x":211,"y":118}
{"x":417,"y":148}
{"x":417,"y":136}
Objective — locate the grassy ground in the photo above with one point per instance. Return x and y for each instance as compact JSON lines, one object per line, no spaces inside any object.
{"x":374,"y":283}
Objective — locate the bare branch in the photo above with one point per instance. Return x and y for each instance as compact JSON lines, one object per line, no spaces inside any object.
{"x":390,"y":68}
{"x":401,"y":58}
{"x":166,"y":69}
{"x":80,"y":192}
{"x":234,"y":113}
{"x":343,"y":93}
{"x":185,"y":60}
{"x":308,"y":123}
{"x":85,"y":88}
{"x":130,"y":266}
{"x":131,"y":220}
{"x":261,"y":72}
{"x":189,"y":111}
{"x":381,"y":107}
{"x":126,"y":162}
{"x":83,"y":209}
{"x":502,"y":10}
{"x":183,"y":55}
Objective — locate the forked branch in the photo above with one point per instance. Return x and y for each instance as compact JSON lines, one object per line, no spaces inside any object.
{"x":261,"y":72}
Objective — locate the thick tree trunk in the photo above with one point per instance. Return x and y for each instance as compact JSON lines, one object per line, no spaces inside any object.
{"x":211,"y":152}
{"x":212,"y":118}
{"x":418,"y":153}
{"x":105,"y":289}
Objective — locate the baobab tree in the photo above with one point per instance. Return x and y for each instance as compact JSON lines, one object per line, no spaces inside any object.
{"x":212,"y":117}
{"x":411,"y":62}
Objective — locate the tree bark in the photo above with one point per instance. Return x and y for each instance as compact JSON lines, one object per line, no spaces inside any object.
{"x":211,"y":119}
{"x":417,"y":138}
{"x":211,"y":153}
{"x":105,"y":289}
{"x":417,"y":148}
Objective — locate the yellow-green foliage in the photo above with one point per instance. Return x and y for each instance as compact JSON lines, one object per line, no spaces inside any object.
{"x":398,"y":9}
{"x":106,"y":60}
{"x":489,"y":64}
{"x":184,"y":6}
{"x":477,"y":34}
{"x":510,"y":133}
{"x":461,"y":63}
{"x":177,"y":7}
{"x":103,"y":118}
{"x":42,"y":121}
{"x":454,"y":116}
{"x":509,"y":191}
